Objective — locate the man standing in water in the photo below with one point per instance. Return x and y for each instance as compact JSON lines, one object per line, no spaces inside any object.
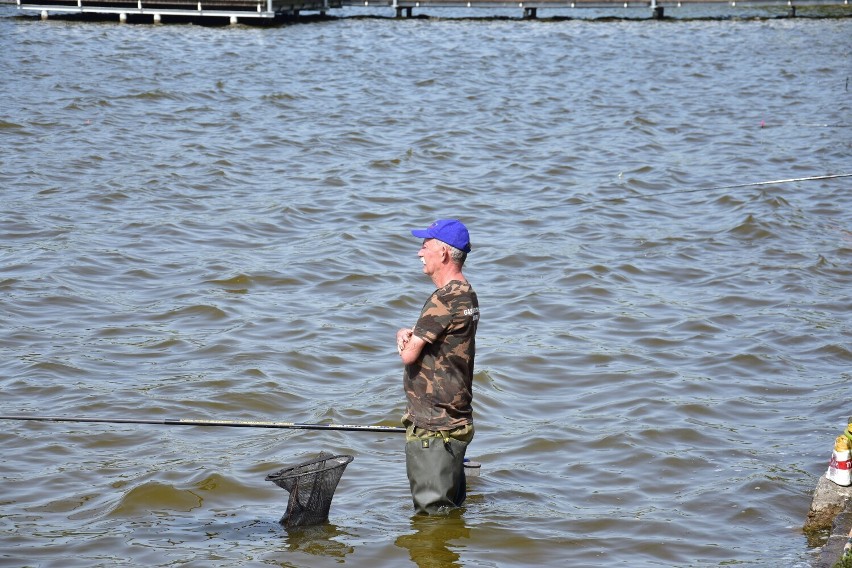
{"x":438,"y":355}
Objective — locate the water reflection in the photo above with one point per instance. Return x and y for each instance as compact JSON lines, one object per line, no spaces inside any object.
{"x":435,"y":540}
{"x":319,"y":540}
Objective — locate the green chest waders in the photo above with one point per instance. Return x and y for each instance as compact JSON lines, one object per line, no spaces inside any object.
{"x":435,"y":468}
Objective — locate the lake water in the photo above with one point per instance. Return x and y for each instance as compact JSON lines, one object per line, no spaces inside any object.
{"x":213,"y":222}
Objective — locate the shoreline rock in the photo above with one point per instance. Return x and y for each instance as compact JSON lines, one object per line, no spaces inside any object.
{"x":831,"y":509}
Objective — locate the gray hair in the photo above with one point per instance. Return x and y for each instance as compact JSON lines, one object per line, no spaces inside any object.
{"x":456,"y":255}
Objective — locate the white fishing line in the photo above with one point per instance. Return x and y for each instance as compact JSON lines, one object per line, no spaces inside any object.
{"x":718,"y":187}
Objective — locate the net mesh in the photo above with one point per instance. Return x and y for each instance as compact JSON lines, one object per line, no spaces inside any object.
{"x":311,"y":485}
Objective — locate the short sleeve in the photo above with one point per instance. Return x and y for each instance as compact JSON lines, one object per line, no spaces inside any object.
{"x":435,"y":318}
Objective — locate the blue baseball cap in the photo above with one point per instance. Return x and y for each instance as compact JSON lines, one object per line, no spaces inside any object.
{"x":450,"y":231}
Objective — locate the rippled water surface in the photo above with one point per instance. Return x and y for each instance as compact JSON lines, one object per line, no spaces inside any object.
{"x":212,"y":222}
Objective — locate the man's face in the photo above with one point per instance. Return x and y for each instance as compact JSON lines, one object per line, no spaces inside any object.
{"x":431,"y":254}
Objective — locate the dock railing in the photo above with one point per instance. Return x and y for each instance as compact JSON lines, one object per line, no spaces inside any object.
{"x":237,"y":10}
{"x":530,"y":8}
{"x":156,"y":10}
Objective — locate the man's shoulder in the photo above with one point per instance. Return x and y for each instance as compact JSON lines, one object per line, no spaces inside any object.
{"x":455,"y":288}
{"x":451,"y":298}
{"x":448,"y":299}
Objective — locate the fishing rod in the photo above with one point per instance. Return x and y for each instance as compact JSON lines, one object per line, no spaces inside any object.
{"x":206,"y":422}
{"x":735,"y":186}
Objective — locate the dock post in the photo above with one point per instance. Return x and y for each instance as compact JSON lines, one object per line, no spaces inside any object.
{"x":657,"y":12}
{"x":530,"y":13}
{"x":792,"y":12}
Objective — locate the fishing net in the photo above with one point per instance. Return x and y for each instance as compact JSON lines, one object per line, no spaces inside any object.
{"x":311,"y":485}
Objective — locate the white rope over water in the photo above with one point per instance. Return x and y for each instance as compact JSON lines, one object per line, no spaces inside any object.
{"x":734,"y":186}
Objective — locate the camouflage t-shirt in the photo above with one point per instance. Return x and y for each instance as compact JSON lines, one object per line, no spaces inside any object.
{"x":439,"y":385}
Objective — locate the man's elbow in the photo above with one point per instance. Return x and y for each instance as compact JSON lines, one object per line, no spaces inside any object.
{"x":408,"y":357}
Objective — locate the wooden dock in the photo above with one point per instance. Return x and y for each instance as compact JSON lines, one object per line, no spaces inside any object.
{"x":655,"y":8}
{"x":235,"y":11}
{"x":160,"y":10}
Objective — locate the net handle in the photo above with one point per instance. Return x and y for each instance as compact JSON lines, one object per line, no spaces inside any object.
{"x":209,"y":422}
